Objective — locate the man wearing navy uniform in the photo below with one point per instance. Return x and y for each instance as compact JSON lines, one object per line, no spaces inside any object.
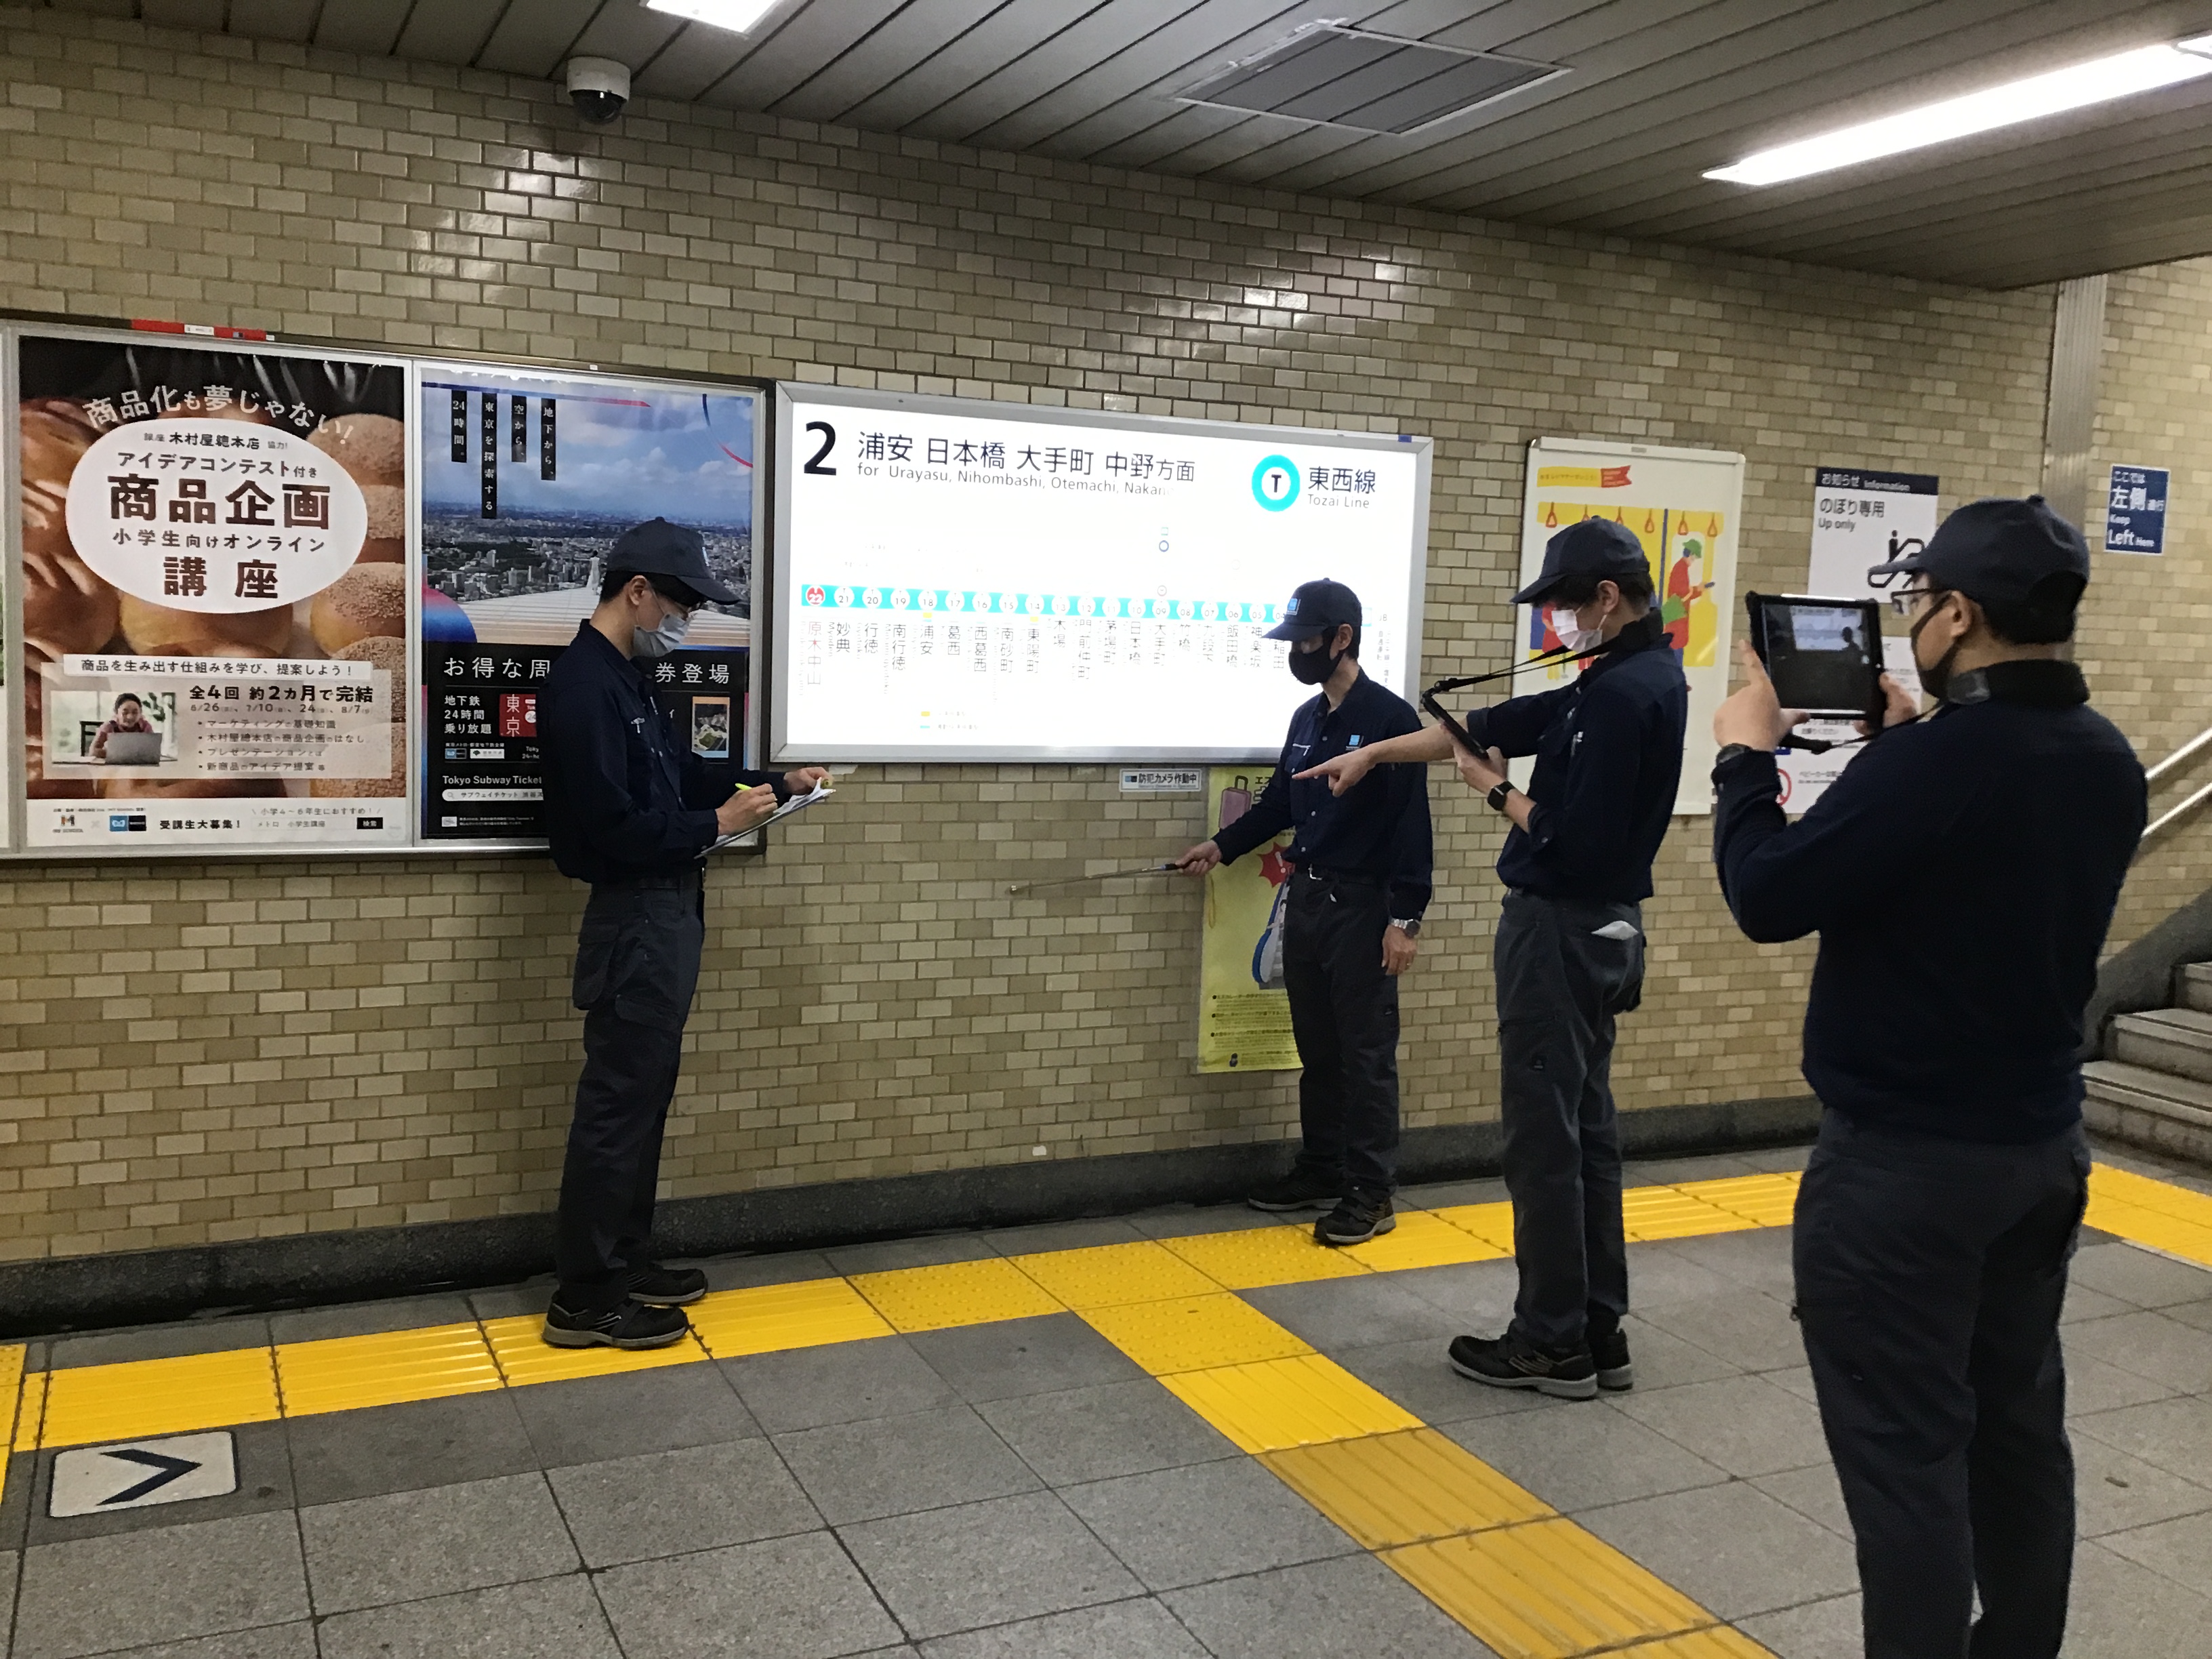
{"x":1577,"y":866}
{"x":630,"y":810}
{"x":1961,"y":874}
{"x":1360,"y":883}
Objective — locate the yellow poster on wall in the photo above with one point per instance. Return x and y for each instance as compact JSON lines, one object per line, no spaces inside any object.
{"x":1243,"y":1014}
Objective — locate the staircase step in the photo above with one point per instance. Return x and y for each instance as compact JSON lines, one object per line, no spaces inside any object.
{"x":2194,"y":985}
{"x":2155,"y":1110}
{"x":2178,"y":1040}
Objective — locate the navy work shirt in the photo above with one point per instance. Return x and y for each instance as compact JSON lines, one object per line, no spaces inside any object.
{"x":1961,"y":874}
{"x":623,"y":797}
{"x":1377,"y":831}
{"x":1609,"y":752}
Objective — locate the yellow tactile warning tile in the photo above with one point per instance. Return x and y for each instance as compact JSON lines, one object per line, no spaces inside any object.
{"x":1422,"y":1240}
{"x":1490,"y":1222}
{"x":1718,"y":1643}
{"x":11,"y":1393}
{"x":1387,"y":1490}
{"x":1193,"y":1332}
{"x":1108,"y":1274}
{"x":769,"y":1318}
{"x":2151,"y":1213}
{"x":1656,"y":1212}
{"x":1259,"y":1256}
{"x":1546,"y":1590}
{"x":1276,"y":1404}
{"x":343,"y":1373}
{"x":30,"y":1413}
{"x":1769,"y":1201}
{"x":146,"y":1397}
{"x":961,"y":1293}
{"x":526,"y":1356}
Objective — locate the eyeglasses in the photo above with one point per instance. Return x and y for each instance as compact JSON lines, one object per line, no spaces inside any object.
{"x":1904,"y":600}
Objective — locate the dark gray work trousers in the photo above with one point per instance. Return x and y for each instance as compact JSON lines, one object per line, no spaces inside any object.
{"x":1560,"y":987}
{"x":1930,"y":1274}
{"x":1344,"y":1014}
{"x":637,"y":966}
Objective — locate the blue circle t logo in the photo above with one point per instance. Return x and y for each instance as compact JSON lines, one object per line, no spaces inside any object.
{"x":1275,"y":482}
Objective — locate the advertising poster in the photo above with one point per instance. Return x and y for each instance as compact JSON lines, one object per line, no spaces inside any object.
{"x":528,"y":481}
{"x":1243,"y":1014}
{"x":1685,"y":507}
{"x":215,"y":599}
{"x":971,"y":580}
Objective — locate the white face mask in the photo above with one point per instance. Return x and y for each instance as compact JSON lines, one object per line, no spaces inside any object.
{"x":652,"y":643}
{"x":1572,"y":635}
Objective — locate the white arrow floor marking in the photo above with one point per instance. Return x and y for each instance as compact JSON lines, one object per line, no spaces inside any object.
{"x":99,"y":1479}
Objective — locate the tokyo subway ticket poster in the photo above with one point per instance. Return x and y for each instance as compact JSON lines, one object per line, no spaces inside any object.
{"x":214,"y":600}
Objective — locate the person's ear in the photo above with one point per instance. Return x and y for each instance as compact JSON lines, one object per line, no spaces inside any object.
{"x":1606,"y":597}
{"x":1343,"y":639}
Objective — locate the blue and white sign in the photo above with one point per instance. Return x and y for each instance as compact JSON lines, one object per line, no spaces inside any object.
{"x":2135,"y":510}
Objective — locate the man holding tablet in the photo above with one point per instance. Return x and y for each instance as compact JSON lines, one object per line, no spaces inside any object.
{"x":1961,"y":874}
{"x":1577,"y":867}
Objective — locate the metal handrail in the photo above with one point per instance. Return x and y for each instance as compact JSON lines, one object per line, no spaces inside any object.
{"x":2152,"y":774}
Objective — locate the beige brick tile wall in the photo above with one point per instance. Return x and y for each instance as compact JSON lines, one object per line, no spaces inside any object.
{"x":224,"y":1050}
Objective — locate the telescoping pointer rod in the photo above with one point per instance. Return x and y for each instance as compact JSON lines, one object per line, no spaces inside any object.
{"x":1102,"y":875}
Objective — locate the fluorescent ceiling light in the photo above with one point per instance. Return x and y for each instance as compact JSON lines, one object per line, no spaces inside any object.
{"x":2101,"y":80}
{"x":737,"y":15}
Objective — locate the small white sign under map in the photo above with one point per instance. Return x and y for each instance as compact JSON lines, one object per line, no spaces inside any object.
{"x":1162,"y":781}
{"x":95,"y":1479}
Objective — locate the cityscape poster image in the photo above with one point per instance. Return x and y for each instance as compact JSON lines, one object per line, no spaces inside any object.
{"x":214,"y":592}
{"x":527,"y":479}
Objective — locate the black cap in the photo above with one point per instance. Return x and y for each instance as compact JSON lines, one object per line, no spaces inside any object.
{"x":1597,"y":547}
{"x":1316,"y":608}
{"x":658,"y":548}
{"x":1996,"y":551}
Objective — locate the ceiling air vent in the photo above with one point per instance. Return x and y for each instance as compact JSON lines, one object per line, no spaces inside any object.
{"x":1347,"y":77}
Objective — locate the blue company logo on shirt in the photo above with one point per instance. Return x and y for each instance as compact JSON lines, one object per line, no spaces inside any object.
{"x":1352,"y":742}
{"x":1275,"y":482}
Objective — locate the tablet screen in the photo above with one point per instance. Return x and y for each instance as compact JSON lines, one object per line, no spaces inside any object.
{"x":1820,"y":656}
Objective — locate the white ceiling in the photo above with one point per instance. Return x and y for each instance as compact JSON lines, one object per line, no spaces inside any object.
{"x":1660,"y":90}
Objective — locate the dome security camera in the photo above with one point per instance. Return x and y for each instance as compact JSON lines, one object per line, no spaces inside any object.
{"x":599,"y":87}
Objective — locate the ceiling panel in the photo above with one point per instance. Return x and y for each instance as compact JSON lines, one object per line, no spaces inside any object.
{"x":1660,"y":91}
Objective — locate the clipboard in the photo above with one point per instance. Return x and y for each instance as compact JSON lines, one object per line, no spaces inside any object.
{"x":796,"y":804}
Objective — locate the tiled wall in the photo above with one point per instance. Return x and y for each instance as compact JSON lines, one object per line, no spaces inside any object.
{"x":220,"y":1050}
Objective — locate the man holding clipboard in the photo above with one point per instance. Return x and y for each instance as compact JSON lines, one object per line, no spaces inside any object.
{"x":633,"y":811}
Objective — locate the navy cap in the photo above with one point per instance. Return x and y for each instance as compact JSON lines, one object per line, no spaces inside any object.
{"x":1597,"y":547}
{"x":1316,"y":608}
{"x":658,"y":548}
{"x":1996,"y":551}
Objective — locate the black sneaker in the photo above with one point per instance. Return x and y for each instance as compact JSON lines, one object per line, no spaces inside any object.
{"x":1301,"y":1189}
{"x":1356,"y":1218}
{"x":632,"y":1325}
{"x":1609,"y":1353}
{"x":1511,"y":1361}
{"x":666,"y":1287}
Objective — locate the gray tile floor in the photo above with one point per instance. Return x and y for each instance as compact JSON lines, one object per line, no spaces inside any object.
{"x":1022,"y":1491}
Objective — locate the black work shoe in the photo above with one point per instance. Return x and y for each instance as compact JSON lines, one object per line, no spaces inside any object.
{"x":1301,"y":1189}
{"x":1356,"y":1218}
{"x":666,"y":1287}
{"x":632,"y":1325}
{"x":1511,"y":1361}
{"x":1609,"y":1353}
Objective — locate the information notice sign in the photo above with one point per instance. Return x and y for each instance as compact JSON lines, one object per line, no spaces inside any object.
{"x":1243,"y":1012}
{"x":2135,"y":510}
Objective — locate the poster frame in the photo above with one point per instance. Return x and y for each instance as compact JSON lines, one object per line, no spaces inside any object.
{"x":15,"y":324}
{"x":779,"y":751}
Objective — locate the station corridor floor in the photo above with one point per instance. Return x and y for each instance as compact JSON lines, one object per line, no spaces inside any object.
{"x":1162,"y":1436}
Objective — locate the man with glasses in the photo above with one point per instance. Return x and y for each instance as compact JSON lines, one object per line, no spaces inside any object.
{"x":1961,"y":874}
{"x":631,"y":810}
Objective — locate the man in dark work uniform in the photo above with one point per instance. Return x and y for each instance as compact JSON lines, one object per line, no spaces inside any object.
{"x":631,"y":810}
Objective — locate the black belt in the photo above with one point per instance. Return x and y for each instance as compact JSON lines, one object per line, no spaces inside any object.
{"x":680,"y":881}
{"x":1336,"y":879}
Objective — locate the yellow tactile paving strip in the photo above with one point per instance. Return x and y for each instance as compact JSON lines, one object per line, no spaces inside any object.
{"x":1531,"y":1584}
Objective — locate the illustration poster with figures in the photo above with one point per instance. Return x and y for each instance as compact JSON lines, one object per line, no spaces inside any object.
{"x":1243,"y":1012}
{"x":1685,"y":507}
{"x":214,"y":596}
{"x":528,"y":481}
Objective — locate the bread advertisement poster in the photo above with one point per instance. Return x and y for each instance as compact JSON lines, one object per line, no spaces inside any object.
{"x":214,"y":598}
{"x":527,"y":479}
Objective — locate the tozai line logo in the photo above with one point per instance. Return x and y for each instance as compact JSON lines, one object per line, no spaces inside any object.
{"x":1275,"y":482}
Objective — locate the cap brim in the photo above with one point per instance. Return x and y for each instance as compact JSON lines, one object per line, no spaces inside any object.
{"x":1910,"y":564}
{"x":1536,"y":590}
{"x":708,"y":588}
{"x":1297,"y":630}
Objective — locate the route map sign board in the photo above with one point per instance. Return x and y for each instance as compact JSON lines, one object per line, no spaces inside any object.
{"x":961,"y":580}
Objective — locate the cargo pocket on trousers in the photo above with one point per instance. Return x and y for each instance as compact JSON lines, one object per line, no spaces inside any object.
{"x":595,"y":956}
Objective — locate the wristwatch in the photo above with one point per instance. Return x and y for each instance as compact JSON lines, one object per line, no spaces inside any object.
{"x":1411,"y":927}
{"x":1731,"y":752}
{"x":1498,"y":794}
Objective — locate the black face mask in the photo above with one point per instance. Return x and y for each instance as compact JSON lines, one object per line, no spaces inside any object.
{"x":1313,"y":667}
{"x":1937,"y":680}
